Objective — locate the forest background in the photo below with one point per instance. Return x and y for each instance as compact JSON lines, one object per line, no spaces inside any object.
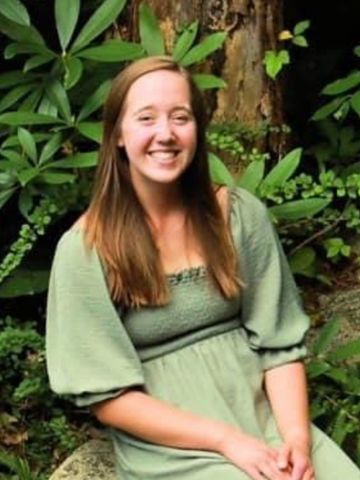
{"x":282,"y":84}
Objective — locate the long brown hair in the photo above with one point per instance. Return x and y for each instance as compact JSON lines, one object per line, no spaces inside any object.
{"x":117,"y":224}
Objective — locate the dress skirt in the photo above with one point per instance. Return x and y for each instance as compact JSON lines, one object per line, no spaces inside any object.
{"x":220,"y":378}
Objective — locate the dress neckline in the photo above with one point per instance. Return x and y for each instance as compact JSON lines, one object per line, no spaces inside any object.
{"x":187,"y":274}
{"x":198,"y":271}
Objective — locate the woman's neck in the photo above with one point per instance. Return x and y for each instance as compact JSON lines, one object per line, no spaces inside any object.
{"x":161,"y":201}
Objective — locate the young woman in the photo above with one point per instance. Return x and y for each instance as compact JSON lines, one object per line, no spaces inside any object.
{"x":172,"y":312}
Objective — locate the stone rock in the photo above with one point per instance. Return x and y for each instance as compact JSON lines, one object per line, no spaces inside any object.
{"x":346,"y":306}
{"x":92,"y":461}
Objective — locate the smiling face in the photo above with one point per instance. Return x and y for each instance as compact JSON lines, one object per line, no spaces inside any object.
{"x":158,"y":128}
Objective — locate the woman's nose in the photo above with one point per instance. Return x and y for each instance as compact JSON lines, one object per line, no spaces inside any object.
{"x":165,"y":130}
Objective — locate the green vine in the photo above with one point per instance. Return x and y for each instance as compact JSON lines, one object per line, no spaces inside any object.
{"x":29,"y":232}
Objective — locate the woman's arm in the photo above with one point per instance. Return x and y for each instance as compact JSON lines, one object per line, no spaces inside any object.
{"x":155,"y":421}
{"x":287,"y":392}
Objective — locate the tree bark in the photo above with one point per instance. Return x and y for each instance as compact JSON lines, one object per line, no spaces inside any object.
{"x":252,"y":26}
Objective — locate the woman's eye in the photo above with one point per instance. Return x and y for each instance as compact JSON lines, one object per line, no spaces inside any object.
{"x":181,"y":118}
{"x":145,"y":118}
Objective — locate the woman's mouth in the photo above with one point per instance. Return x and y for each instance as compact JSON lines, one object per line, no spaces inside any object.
{"x":163,"y":156}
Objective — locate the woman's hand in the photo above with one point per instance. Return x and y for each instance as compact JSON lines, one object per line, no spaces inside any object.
{"x":295,"y":459}
{"x":254,"y":457}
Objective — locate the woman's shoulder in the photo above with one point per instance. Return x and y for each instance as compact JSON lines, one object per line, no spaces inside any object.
{"x":72,"y":243}
{"x":244,"y":206}
{"x":241,"y":198}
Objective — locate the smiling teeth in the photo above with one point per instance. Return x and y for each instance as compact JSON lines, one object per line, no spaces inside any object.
{"x":163,"y":155}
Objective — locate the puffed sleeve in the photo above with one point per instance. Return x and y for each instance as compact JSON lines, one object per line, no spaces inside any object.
{"x":272,"y":316}
{"x":89,"y":354}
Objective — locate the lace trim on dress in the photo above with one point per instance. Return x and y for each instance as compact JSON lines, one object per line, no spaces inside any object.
{"x":187,"y":275}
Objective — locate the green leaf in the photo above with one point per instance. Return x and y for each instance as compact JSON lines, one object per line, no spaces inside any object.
{"x":326,"y":336}
{"x":355,"y":102}
{"x":316,"y":369}
{"x":66,"y":16}
{"x":348,"y":142}
{"x":25,"y":282}
{"x":15,"y":158}
{"x":5,"y":195}
{"x":80,"y":160}
{"x":329,"y":108}
{"x":47,"y":107}
{"x":352,"y":169}
{"x":204,"y":49}
{"x":302,"y":262}
{"x":20,"y":33}
{"x":340,"y":431}
{"x":299,"y":208}
{"x":28,"y":175}
{"x":13,"y":140}
{"x":274,"y":62}
{"x":6,"y":166}
{"x":284,"y":169}
{"x":219,"y":172}
{"x":26,"y":202}
{"x":207,"y":82}
{"x":26,"y":118}
{"x":250,"y":179}
{"x":20,"y":48}
{"x":301,"y":27}
{"x":15,"y":11}
{"x":31,"y":101}
{"x":58,"y":96}
{"x":36,"y":61}
{"x":150,"y":34}
{"x":343,"y":111}
{"x":7,"y":179}
{"x":101,"y":19}
{"x":50,"y":148}
{"x":300,"y":41}
{"x":113,"y":51}
{"x":13,"y":78}
{"x":91,"y":130}
{"x":338,"y":374}
{"x":343,"y":84}
{"x":344,"y":352}
{"x":95,"y":101}
{"x":56,"y":178}
{"x":357,"y":51}
{"x":14,"y":95}
{"x":28,"y":143}
{"x":73,"y":71}
{"x":185,"y":41}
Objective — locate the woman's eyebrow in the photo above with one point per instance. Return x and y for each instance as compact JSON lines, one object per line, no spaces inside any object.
{"x":152,"y":107}
{"x":146,"y":107}
{"x":187,"y":108}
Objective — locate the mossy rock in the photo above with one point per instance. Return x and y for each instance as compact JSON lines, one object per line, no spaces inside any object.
{"x":92,"y":461}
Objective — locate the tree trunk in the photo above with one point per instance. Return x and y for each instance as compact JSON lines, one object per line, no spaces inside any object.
{"x":252,"y":26}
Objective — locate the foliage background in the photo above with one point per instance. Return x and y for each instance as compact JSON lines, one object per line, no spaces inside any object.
{"x":49,"y":134}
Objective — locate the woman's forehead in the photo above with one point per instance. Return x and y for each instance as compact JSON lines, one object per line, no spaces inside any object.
{"x":159,"y":89}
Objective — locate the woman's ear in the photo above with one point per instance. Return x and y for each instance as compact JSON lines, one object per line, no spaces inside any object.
{"x":120,"y":142}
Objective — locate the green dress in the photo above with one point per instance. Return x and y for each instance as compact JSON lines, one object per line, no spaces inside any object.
{"x":202,"y":353}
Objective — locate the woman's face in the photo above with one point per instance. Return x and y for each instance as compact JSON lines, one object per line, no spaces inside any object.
{"x":158,"y":128}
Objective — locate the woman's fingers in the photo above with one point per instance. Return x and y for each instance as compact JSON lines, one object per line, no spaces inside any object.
{"x":254,"y":474}
{"x":271,"y":471}
{"x":309,"y":475}
{"x":283,"y":457}
{"x":302,"y":467}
